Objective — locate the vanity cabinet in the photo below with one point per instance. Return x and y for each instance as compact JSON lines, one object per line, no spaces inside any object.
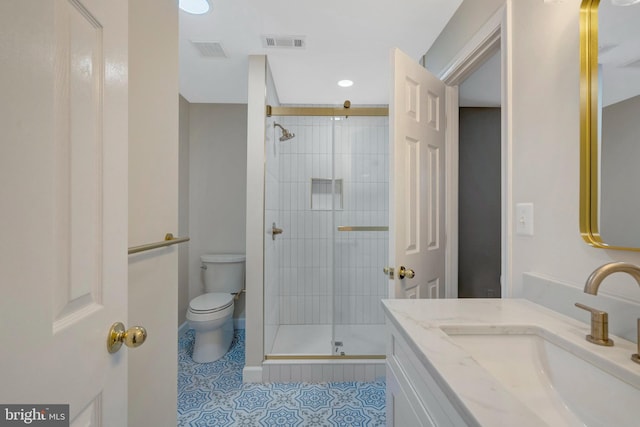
{"x":502,"y":363}
{"x":414,"y":397}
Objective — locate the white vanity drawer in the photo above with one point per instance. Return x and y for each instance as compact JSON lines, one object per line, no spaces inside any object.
{"x":404,"y":409}
{"x":418,"y":387}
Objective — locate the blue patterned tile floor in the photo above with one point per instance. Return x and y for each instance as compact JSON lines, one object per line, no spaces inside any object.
{"x":212,"y":394}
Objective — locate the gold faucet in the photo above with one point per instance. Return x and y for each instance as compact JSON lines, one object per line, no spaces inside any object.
{"x":596,"y":278}
{"x":599,"y":326}
{"x":599,"y":274}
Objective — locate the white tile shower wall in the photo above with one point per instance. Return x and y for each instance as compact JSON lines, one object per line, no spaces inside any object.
{"x":361,"y":161}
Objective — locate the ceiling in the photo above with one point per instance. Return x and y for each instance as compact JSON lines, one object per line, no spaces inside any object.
{"x":344,"y":39}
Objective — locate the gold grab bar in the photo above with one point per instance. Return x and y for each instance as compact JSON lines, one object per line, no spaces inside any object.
{"x":168,"y":241}
{"x":362,"y":228}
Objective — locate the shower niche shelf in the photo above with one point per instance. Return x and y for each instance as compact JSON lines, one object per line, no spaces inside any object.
{"x":326,"y":194}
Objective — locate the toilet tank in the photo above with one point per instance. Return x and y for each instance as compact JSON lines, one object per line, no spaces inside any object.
{"x":223,"y":272}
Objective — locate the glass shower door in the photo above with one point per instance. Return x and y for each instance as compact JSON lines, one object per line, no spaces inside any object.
{"x":327,"y":190}
{"x":299,"y":262}
{"x":360,"y":234}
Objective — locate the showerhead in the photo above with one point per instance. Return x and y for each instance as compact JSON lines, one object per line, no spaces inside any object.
{"x":286,"y":135}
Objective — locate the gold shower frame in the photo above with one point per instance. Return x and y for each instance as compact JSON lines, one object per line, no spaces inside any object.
{"x":327,"y":111}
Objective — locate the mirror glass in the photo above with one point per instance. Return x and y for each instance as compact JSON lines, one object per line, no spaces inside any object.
{"x":614,"y":135}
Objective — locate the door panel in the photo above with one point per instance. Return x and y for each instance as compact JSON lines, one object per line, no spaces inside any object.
{"x":78,"y":112}
{"x":64,"y":185}
{"x":417,"y":203}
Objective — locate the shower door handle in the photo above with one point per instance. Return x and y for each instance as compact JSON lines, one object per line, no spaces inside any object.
{"x":275,"y":231}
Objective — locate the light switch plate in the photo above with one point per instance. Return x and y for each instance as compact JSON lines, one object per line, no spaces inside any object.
{"x":524,"y":219}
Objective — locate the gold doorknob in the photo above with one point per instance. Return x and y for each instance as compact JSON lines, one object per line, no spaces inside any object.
{"x":406,"y":272}
{"x":132,"y":337}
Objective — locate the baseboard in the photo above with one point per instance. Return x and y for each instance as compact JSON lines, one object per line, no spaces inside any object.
{"x":252,"y":374}
{"x":327,"y":370}
{"x":183,"y":328}
{"x":238,"y":323}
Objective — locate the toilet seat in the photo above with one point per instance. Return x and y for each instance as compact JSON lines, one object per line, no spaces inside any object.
{"x":211,"y":302}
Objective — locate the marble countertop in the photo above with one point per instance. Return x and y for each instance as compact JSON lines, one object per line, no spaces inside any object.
{"x":481,"y":398}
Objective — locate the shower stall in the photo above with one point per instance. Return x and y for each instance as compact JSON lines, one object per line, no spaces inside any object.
{"x":326,"y":218}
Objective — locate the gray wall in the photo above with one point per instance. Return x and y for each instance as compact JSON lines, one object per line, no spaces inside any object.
{"x":217,"y":186}
{"x":620,"y":173}
{"x":462,"y":26}
{"x":479,"y":203}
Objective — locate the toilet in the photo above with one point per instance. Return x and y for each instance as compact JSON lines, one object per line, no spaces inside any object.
{"x":211,"y":314}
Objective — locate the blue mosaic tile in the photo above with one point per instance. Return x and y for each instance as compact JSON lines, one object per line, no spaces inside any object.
{"x":314,"y":397}
{"x":250,"y":400}
{"x":215,"y":418}
{"x":372,"y":396}
{"x":212,"y":394}
{"x":349,"y":417}
{"x":284,"y":397}
{"x":282,"y":417}
{"x":315,"y":418}
{"x":191,"y":400}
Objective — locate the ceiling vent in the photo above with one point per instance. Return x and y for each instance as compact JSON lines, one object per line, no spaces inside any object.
{"x":210,"y":49}
{"x":279,"y":41}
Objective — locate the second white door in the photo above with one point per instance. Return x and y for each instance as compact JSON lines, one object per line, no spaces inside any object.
{"x":417,"y":204}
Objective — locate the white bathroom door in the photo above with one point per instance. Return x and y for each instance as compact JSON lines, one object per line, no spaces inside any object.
{"x":63,"y":198}
{"x":417,"y":174}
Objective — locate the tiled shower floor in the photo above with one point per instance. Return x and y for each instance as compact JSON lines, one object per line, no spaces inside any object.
{"x":317,"y":339}
{"x":212,"y":394}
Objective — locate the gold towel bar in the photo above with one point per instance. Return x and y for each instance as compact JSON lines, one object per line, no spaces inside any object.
{"x":168,"y":241}
{"x":362,"y":228}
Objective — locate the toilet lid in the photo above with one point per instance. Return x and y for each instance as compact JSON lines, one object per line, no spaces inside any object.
{"x":222,"y":258}
{"x":211,"y":302}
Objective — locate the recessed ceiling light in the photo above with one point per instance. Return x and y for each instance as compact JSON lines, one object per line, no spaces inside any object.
{"x":195,"y":7}
{"x":345,"y":83}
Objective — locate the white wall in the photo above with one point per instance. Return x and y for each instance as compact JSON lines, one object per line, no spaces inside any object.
{"x":153,"y":208}
{"x":543,"y":46}
{"x":217,"y":186}
{"x":255,"y":232}
{"x":546,"y":148}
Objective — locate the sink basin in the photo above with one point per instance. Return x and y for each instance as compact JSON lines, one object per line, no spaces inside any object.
{"x":555,"y":378}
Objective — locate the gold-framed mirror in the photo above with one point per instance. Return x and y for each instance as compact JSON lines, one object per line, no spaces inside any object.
{"x":610,"y":123}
